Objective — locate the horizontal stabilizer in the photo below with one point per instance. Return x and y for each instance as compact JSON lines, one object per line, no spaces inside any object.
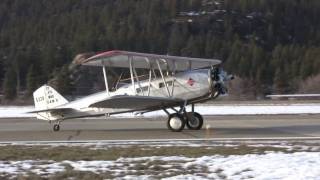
{"x":136,"y":102}
{"x":54,"y":110}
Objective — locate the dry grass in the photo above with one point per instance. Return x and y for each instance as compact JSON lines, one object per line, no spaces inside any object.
{"x":12,"y":152}
{"x":68,"y":174}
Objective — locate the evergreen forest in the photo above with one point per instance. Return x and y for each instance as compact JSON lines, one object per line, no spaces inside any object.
{"x":271,"y":46}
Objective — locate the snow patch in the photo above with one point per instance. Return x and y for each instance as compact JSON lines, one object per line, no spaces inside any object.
{"x":255,"y":109}
{"x":221,"y":109}
{"x":16,"y":111}
{"x":299,"y":165}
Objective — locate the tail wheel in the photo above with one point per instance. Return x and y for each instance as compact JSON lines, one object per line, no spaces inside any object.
{"x":176,"y":122}
{"x":194,"y":121}
{"x":56,"y":127}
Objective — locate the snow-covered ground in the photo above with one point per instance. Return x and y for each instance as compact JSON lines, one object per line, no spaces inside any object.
{"x":221,"y":109}
{"x":299,"y":165}
{"x":15,"y":111}
{"x":299,"y":159}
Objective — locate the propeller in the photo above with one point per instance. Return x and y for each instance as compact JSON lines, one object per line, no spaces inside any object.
{"x":219,"y":77}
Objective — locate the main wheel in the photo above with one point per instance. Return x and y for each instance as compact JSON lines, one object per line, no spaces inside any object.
{"x":194,"y":121}
{"x":56,"y":127}
{"x":176,"y":122}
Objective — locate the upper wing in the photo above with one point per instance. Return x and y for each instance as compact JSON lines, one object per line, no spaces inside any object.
{"x":143,"y":60}
{"x":136,"y":102}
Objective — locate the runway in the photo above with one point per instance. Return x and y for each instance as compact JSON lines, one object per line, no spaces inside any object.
{"x":255,"y":126}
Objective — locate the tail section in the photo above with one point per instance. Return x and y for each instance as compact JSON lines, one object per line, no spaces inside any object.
{"x":46,"y":98}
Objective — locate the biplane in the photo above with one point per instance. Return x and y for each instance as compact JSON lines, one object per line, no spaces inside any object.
{"x":170,"y":84}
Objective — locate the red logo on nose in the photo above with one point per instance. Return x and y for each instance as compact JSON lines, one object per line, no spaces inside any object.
{"x":190,"y":81}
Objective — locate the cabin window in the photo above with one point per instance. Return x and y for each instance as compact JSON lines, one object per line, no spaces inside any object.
{"x":169,"y":83}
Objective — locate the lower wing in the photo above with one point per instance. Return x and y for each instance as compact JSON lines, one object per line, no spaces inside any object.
{"x":137,"y":102}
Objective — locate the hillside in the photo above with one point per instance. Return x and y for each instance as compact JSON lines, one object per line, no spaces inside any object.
{"x":272,"y":46}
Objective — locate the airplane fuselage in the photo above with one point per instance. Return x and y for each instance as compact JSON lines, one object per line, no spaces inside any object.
{"x":188,"y":85}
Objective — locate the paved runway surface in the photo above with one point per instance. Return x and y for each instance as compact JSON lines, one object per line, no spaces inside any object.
{"x":29,"y":129}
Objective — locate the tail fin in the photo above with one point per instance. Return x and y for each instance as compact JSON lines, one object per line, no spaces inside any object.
{"x":46,"y":97}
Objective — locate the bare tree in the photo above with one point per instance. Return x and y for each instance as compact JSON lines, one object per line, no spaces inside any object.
{"x":310,"y":85}
{"x":241,"y":89}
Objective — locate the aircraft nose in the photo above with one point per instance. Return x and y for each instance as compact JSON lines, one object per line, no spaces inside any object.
{"x":219,"y":77}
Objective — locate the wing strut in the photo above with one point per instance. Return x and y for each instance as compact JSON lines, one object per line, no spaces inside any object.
{"x":137,"y":78}
{"x":150,"y":76}
{"x":131,"y":74}
{"x":105,"y":78}
{"x":174,"y":76}
{"x":149,"y":83}
{"x":163,"y":79}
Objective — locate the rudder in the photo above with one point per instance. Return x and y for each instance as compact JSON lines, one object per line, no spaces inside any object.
{"x":46,"y":97}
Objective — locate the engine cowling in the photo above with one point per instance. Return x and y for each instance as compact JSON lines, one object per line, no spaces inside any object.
{"x":219,"y":77}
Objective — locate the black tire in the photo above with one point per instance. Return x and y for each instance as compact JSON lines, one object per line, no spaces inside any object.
{"x":196,"y":123}
{"x":179,"y":124}
{"x":56,"y":127}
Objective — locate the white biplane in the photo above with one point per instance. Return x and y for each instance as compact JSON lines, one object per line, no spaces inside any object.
{"x":171,"y":82}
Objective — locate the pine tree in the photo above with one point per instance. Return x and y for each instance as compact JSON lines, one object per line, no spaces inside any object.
{"x":244,"y":66}
{"x":189,"y":49}
{"x":257,"y":59}
{"x":307,"y":65}
{"x":280,"y":82}
{"x":9,"y":84}
{"x":210,"y":46}
{"x":233,"y":60}
{"x":63,"y":81}
{"x":176,"y":41}
{"x":286,"y":34}
{"x":31,"y":81}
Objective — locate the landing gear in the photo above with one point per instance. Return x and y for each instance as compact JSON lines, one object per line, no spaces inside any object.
{"x":194,"y":121}
{"x":176,"y":122}
{"x":56,"y":127}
